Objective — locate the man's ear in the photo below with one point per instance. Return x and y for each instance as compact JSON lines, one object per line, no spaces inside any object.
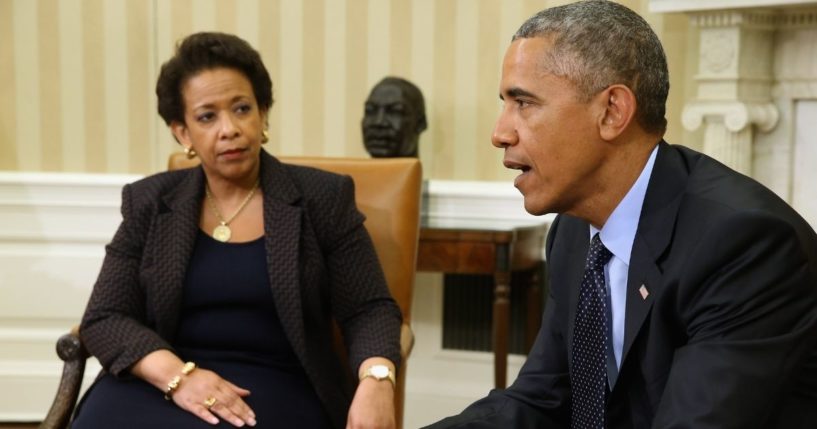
{"x":179,"y":131}
{"x":619,"y":111}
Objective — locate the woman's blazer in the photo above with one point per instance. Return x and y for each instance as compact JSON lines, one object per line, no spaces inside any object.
{"x":321,"y":264}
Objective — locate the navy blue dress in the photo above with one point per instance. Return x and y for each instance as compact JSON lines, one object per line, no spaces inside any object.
{"x":229,"y":325}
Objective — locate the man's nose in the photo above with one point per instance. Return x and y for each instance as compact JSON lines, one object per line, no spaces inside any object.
{"x":504,"y":134}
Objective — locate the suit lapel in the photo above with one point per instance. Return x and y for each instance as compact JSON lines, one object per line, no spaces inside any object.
{"x":176,"y":228}
{"x":643,"y":273}
{"x":655,"y":230}
{"x":282,"y":230}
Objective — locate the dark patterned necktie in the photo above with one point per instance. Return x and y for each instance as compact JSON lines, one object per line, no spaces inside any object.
{"x":589,"y":377}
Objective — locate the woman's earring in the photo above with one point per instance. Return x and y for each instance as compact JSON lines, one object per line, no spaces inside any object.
{"x":264,"y":136}
{"x":190,"y":153}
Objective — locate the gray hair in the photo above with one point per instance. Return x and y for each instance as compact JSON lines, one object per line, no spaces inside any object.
{"x":598,"y":43}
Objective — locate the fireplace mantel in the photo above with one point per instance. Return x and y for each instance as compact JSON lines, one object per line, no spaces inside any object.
{"x":705,"y":5}
{"x":755,"y":76}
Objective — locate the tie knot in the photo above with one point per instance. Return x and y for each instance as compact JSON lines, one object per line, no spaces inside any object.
{"x":598,"y":256}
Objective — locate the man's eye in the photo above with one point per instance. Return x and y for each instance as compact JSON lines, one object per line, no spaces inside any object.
{"x":522,"y":103}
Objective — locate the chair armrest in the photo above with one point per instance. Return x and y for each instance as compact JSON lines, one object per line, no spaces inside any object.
{"x":406,"y":341}
{"x":72,"y":352}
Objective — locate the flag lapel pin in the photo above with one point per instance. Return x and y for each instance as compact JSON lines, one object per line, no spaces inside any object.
{"x":644,"y":292}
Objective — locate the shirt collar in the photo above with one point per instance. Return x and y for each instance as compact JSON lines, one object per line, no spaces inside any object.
{"x":618,"y":233}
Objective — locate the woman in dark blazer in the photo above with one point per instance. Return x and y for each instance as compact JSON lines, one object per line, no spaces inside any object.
{"x":219,"y":289}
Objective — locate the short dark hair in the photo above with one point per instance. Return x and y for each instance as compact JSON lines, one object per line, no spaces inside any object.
{"x":205,"y":51}
{"x":598,"y":43}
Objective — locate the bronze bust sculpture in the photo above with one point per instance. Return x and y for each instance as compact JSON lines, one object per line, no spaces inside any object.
{"x":393,"y":119}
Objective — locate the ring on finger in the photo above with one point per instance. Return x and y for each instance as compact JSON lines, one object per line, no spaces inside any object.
{"x":209,"y":402}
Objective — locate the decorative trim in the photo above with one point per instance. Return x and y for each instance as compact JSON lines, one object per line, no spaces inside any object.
{"x":59,"y":208}
{"x":797,"y":18}
{"x":736,"y":115}
{"x":477,"y":203}
{"x":718,"y":51}
{"x":768,"y":14}
{"x":703,"y":5}
{"x":764,"y":19}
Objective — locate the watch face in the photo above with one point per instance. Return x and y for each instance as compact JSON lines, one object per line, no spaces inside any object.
{"x":380,"y":371}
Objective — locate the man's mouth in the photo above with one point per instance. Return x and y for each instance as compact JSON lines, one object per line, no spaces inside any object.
{"x":513,"y":165}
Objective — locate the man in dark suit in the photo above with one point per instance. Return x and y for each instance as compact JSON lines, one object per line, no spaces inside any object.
{"x":683,"y":294}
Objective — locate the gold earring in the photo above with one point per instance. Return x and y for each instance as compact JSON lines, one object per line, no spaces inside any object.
{"x":190,"y":153}
{"x":264,"y":136}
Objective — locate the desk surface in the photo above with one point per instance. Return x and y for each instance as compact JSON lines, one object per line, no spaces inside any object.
{"x":480,"y":248}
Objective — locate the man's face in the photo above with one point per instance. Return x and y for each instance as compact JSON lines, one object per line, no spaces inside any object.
{"x":546,"y":132}
{"x":389,"y":123}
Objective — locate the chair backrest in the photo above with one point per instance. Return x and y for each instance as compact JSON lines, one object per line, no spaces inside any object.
{"x":387,"y":192}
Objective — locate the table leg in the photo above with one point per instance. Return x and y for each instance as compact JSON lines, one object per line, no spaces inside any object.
{"x":501,"y":316}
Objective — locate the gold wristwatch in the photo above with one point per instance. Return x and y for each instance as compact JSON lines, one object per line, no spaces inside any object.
{"x":379,"y":372}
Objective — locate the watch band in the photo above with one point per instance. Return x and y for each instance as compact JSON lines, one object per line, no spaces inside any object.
{"x":379,"y":372}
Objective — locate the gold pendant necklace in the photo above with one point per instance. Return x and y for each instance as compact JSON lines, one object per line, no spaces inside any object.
{"x":222,"y":232}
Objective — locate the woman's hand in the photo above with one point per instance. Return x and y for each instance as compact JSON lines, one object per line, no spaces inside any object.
{"x":201,"y":392}
{"x":372,"y":406}
{"x":198,"y":390}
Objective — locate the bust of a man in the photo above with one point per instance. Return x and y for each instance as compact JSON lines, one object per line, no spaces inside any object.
{"x":393,"y":119}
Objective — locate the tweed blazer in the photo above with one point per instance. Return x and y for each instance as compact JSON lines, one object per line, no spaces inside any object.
{"x":720,"y":323}
{"x":321,"y":264}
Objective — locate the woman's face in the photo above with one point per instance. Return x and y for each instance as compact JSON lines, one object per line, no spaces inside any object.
{"x":222,"y":123}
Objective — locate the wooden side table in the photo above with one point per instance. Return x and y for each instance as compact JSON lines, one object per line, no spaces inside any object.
{"x":497,"y":249}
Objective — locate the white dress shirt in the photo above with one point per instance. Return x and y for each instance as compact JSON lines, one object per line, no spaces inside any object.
{"x":618,"y":235}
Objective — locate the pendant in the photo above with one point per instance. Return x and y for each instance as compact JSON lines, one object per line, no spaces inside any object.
{"x":222,"y":233}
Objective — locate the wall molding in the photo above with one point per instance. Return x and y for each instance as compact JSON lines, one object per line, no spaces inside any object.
{"x":476,"y":203}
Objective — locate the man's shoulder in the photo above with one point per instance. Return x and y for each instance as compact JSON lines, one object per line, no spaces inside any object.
{"x":715,"y":195}
{"x":712,"y":189}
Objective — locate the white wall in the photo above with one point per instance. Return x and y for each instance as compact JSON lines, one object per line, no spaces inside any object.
{"x":53,"y":230}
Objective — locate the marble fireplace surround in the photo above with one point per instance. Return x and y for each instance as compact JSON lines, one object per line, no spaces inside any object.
{"x":756,"y":88}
